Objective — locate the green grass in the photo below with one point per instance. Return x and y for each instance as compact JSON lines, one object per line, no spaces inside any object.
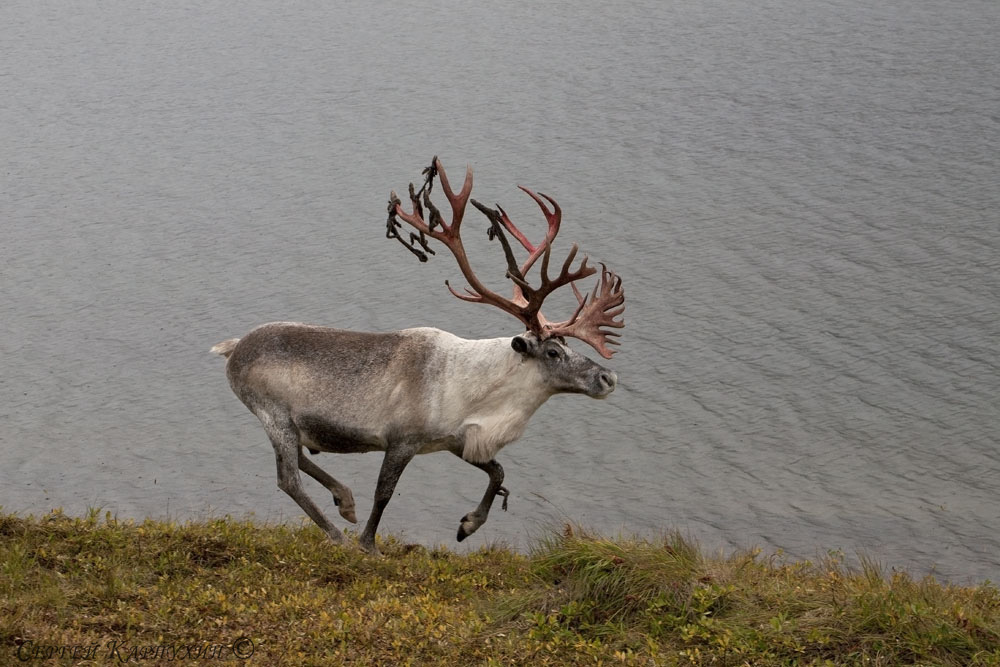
{"x":575,"y":599}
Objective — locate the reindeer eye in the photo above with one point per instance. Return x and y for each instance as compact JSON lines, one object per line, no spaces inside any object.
{"x":553,"y":353}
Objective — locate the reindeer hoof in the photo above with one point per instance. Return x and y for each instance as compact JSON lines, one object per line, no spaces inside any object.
{"x":336,"y":536}
{"x":467,"y":527}
{"x":346,"y":506}
{"x":369,"y":548}
{"x":505,"y":494}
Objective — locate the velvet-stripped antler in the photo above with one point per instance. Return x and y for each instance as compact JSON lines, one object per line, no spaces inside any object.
{"x":594,"y":310}
{"x":448,"y":234}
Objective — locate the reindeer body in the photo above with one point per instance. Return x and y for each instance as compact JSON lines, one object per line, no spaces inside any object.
{"x":408,"y":392}
{"x":349,"y":391}
{"x":424,"y":390}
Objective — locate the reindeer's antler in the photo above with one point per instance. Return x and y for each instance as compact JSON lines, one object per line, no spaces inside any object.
{"x":527,"y":300}
{"x":595,"y":310}
{"x":448,"y":234}
{"x":553,"y":217}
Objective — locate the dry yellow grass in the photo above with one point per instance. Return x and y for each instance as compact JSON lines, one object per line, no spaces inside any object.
{"x":194,"y":593}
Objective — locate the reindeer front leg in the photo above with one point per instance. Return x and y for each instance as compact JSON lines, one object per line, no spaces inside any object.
{"x":473,"y":520}
{"x":396,"y":459}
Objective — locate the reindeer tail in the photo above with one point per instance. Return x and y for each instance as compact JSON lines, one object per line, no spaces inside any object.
{"x":225,"y":348}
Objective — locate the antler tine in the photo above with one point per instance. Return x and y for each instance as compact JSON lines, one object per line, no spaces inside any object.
{"x":496,"y":230}
{"x":392,"y":227}
{"x":515,"y":232}
{"x":565,"y":277}
{"x":595,"y":311}
{"x":554,"y":219}
{"x":471,"y":296}
{"x":459,"y":201}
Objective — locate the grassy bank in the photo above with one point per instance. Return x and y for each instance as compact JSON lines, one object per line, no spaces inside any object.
{"x":160,"y":592}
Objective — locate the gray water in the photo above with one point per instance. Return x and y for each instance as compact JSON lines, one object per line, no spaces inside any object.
{"x":803,"y":198}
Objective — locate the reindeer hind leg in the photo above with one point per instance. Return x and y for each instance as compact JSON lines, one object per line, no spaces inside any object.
{"x":342,"y":495}
{"x":285,"y":440}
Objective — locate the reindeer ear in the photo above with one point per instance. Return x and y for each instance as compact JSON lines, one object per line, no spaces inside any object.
{"x":521,"y":344}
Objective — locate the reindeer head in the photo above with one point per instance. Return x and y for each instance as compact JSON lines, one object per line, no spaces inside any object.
{"x":595,"y":311}
{"x":564,"y":371}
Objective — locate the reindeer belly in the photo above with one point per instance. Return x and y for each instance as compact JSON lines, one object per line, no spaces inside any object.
{"x":440,"y":445}
{"x":329,"y":436}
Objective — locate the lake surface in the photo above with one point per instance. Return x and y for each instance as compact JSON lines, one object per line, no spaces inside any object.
{"x":803,"y":198}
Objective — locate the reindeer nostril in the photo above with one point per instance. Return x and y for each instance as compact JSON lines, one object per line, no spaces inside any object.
{"x":608,"y":379}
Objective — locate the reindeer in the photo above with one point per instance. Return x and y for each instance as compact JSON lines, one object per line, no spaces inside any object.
{"x":424,"y":390}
